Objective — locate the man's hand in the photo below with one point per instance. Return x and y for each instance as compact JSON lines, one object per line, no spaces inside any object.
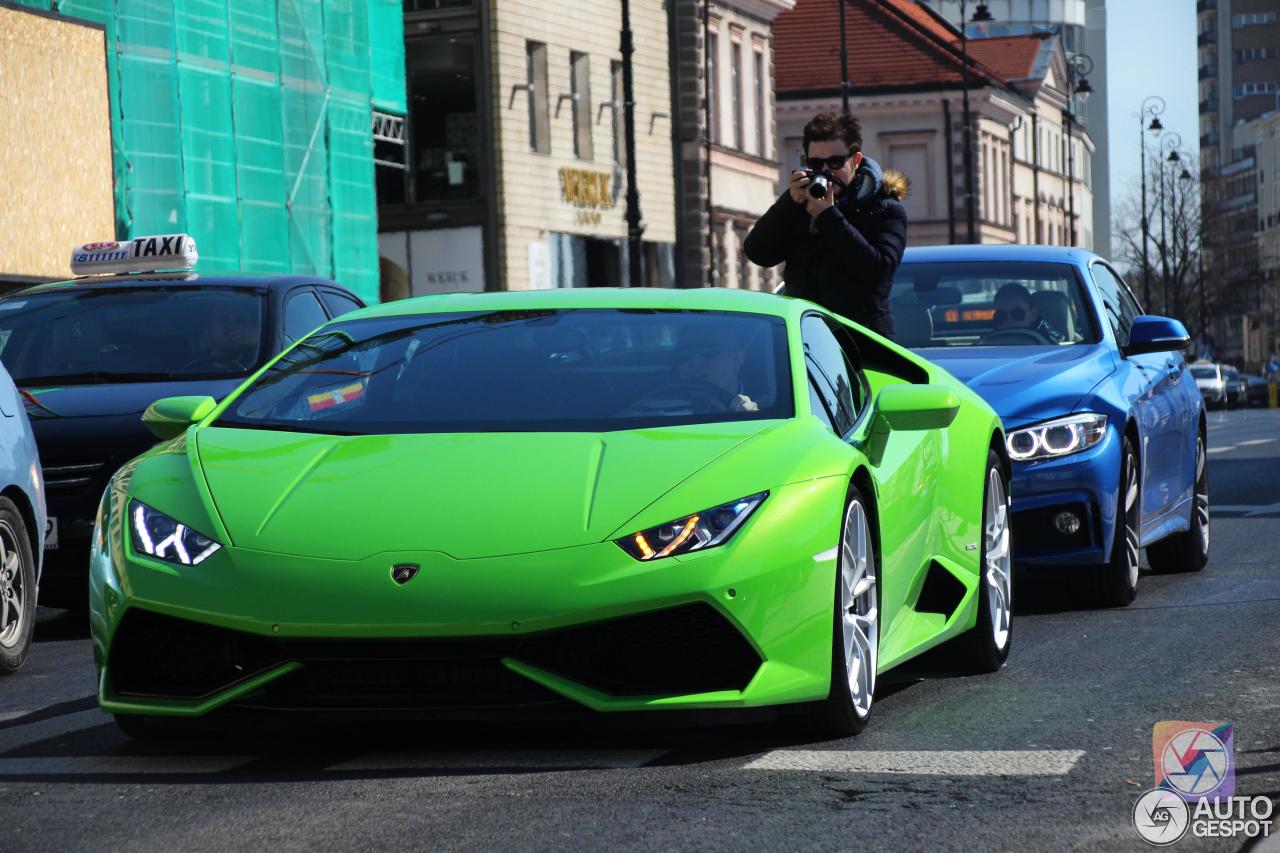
{"x":799,"y":187}
{"x":817,"y":206}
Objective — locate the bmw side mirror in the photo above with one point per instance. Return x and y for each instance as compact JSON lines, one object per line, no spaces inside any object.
{"x":1156,"y":334}
{"x":171,"y":416}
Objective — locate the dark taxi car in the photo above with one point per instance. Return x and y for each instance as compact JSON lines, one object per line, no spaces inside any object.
{"x":89,"y":355}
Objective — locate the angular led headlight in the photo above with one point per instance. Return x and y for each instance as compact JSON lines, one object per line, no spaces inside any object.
{"x":695,"y":532}
{"x":157,"y":535}
{"x":1058,"y":437}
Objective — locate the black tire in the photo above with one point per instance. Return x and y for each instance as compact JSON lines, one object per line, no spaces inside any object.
{"x":1117,"y":580}
{"x":1188,"y":551}
{"x":838,"y":715}
{"x":17,"y":588}
{"x":980,"y":649}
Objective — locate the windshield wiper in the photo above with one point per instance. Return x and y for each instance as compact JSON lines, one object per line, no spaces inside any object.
{"x":94,"y":377}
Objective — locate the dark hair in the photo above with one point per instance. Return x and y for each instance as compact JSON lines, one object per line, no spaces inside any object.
{"x":827,"y":126}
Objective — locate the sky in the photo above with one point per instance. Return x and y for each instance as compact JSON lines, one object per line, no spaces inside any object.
{"x":1151,"y":50}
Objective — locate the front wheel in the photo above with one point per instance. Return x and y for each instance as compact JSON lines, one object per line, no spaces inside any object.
{"x":986,"y":644}
{"x":1188,"y":551}
{"x":1117,"y":580}
{"x":17,"y":588}
{"x":855,"y":643}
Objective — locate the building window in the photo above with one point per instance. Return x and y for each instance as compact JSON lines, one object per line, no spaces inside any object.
{"x":713,"y":86}
{"x":444,"y":122}
{"x":535,"y":55}
{"x":1252,"y":19}
{"x":1249,"y":54}
{"x":615,"y":94}
{"x":735,"y":80}
{"x":744,"y":266}
{"x":1245,"y":90}
{"x":580,"y":82}
{"x":762,"y":103}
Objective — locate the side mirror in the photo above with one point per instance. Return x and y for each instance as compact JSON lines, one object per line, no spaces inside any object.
{"x":1156,"y":334}
{"x":171,"y":416}
{"x":913,"y":407}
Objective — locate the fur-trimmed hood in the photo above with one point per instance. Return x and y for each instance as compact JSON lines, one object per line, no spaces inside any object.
{"x":895,"y":185}
{"x":874,"y":182}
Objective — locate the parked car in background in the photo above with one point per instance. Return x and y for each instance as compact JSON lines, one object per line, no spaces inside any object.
{"x":89,"y":355}
{"x":1259,"y":390}
{"x":1212,"y":384}
{"x":22,"y":528}
{"x":1105,"y":429}
{"x":1237,"y":386}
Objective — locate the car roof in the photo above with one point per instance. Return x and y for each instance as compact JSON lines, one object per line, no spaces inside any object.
{"x":652,"y":298}
{"x":998,"y":252}
{"x":134,"y":280}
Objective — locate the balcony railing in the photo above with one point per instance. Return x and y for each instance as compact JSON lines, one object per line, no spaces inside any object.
{"x":1208,"y":105}
{"x":1206,"y":5}
{"x":1209,"y":140}
{"x":1208,"y":72}
{"x":1207,"y":37}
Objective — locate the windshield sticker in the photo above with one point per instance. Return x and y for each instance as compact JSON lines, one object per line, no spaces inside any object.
{"x":336,"y":397}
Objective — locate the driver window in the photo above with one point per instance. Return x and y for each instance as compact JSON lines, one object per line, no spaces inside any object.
{"x":832,"y":377}
{"x":1117,"y":306}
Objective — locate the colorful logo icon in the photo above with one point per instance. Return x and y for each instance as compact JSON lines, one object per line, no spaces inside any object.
{"x":1195,"y":760}
{"x":1161,"y":817}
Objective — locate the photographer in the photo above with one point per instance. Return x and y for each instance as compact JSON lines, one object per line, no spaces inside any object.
{"x":840,"y":227}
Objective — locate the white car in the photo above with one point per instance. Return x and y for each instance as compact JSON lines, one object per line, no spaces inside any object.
{"x":1211,"y":382}
{"x":22,"y":527}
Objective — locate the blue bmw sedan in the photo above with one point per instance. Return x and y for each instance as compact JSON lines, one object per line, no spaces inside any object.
{"x":1105,"y":426}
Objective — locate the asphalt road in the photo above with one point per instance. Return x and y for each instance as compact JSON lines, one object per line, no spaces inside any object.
{"x":1075,"y":705}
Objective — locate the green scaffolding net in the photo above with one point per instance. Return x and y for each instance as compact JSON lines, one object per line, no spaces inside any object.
{"x":247,"y":123}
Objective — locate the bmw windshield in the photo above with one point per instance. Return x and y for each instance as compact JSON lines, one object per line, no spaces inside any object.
{"x":83,"y":335}
{"x":990,"y":303}
{"x":524,"y":371}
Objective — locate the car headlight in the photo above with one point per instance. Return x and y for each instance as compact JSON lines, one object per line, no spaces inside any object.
{"x":157,"y":535}
{"x":1058,"y":437}
{"x":695,"y":532}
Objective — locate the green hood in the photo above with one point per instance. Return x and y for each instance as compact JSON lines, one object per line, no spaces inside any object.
{"x":466,"y":495}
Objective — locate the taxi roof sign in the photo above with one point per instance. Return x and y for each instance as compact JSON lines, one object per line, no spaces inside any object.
{"x":141,"y":254}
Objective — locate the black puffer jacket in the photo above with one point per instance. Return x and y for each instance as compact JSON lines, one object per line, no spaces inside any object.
{"x":845,"y":259}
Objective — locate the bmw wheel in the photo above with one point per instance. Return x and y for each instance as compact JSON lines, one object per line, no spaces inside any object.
{"x":856,"y":636}
{"x":17,"y":588}
{"x":987,"y":642}
{"x":1188,"y":551}
{"x":1118,"y":578}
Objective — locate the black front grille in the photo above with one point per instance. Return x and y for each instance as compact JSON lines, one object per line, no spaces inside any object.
{"x":71,"y":477}
{"x":677,"y":650}
{"x":155,"y":655}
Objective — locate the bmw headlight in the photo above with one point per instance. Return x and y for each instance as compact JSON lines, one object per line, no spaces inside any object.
{"x":1058,"y":437}
{"x":157,"y":535}
{"x":695,"y":532}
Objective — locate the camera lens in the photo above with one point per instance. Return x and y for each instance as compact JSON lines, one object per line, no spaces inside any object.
{"x":818,"y":186}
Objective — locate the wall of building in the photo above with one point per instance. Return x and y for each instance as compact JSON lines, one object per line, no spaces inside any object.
{"x":55,"y":143}
{"x":534,"y":205}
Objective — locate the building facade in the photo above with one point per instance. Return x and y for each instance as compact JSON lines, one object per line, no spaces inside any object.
{"x":1081,"y":27}
{"x":1031,"y":172}
{"x":726,"y":135}
{"x":516,"y":172}
{"x":1238,"y":42}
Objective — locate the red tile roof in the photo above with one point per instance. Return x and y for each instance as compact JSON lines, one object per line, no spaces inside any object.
{"x":1012,"y":57}
{"x":892,"y":44}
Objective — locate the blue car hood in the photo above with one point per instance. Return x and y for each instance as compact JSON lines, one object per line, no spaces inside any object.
{"x":1028,"y":384}
{"x":115,"y":399}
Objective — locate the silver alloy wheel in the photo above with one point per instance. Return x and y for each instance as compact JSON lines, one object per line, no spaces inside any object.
{"x":999,"y":560}
{"x":12,"y":594}
{"x":858,"y":608}
{"x":1202,"y":497}
{"x":1132,"y":550}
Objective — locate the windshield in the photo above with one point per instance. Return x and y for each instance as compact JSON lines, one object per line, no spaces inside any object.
{"x":525,"y":371}
{"x":82,"y":335}
{"x":1204,"y":372}
{"x":997,"y":303}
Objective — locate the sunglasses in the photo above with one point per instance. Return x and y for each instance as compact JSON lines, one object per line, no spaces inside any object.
{"x":1017,"y":314}
{"x":833,"y":162}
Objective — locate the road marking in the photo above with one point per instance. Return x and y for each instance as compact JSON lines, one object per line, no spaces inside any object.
{"x":6,"y":716}
{"x":1222,"y":449}
{"x":540,"y":759}
{"x":80,"y":765}
{"x":1247,"y":510}
{"x":1254,"y":442}
{"x":1043,"y":762}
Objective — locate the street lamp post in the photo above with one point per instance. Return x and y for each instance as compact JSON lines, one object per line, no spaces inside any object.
{"x":844,"y":62}
{"x":1079,"y":67}
{"x":634,"y":229}
{"x":981,"y":14}
{"x":1173,"y":137}
{"x":1152,"y":106}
